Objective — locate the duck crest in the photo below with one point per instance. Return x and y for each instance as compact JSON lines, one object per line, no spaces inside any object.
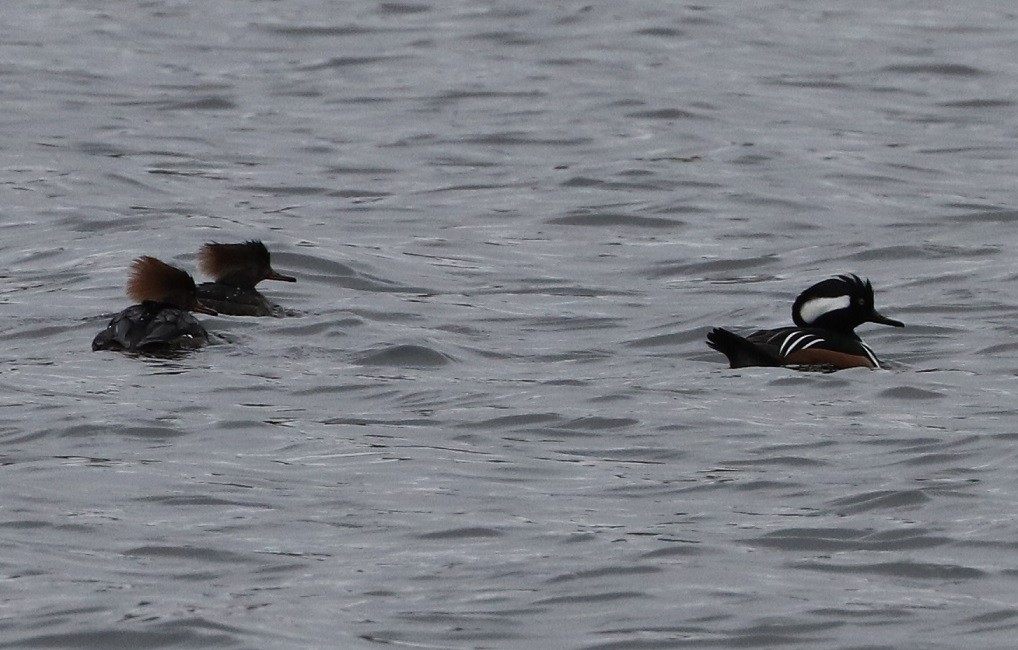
{"x":840,"y":303}
{"x":160,"y":322}
{"x":239,"y":265}
{"x":225,"y":260}
{"x":825,"y":315}
{"x":153,"y":280}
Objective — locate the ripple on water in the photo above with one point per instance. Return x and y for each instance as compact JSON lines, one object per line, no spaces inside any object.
{"x":879,"y":500}
{"x":473,"y":532}
{"x":613,"y":220}
{"x":831,"y":540}
{"x":716,"y":268}
{"x":406,"y":356}
{"x":904,"y":569}
{"x":544,"y":236}
{"x":910,"y":393}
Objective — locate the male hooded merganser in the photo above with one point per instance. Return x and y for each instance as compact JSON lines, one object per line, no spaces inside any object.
{"x":824,"y":338}
{"x":161,"y":320}
{"x":237,"y":268}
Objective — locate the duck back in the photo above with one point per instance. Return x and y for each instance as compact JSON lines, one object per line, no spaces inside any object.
{"x":151,"y":326}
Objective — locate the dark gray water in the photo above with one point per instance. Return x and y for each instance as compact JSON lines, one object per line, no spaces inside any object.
{"x":490,"y":420}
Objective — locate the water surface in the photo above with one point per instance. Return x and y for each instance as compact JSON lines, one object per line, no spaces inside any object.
{"x":489,"y":418}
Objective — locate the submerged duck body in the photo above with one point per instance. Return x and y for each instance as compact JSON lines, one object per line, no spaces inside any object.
{"x":823,"y":338}
{"x":237,"y":268}
{"x":151,"y":326}
{"x":161,"y":321}
{"x":236,"y":301}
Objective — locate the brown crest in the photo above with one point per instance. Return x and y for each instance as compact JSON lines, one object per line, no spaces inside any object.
{"x":154,"y":280}
{"x":243,"y":265}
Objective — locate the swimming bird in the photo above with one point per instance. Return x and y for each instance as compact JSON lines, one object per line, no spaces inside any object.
{"x":824,"y":338}
{"x":237,"y":268}
{"x":160,"y":321}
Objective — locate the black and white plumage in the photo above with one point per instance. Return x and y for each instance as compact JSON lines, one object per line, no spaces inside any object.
{"x":824,"y":338}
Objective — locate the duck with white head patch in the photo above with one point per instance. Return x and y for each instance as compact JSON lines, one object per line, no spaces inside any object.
{"x":824,"y":337}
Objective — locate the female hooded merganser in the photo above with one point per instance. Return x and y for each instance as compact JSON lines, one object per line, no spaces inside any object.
{"x":824,"y":338}
{"x":237,"y":268}
{"x":160,"y":321}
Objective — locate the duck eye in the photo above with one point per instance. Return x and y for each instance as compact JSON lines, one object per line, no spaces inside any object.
{"x":861,"y":302}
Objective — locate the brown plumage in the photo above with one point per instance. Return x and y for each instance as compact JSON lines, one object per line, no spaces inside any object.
{"x":160,"y":322}
{"x":153,"y":280}
{"x":825,"y":316}
{"x":821,"y":358}
{"x":239,"y":265}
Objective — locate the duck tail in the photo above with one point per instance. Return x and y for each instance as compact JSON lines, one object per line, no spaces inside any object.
{"x":741,"y":353}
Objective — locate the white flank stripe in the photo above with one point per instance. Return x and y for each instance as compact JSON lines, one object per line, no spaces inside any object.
{"x":783,"y":348}
{"x":870,"y":354}
{"x":792,"y":341}
{"x":816,"y":307}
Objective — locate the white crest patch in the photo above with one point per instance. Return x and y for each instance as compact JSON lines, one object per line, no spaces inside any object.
{"x":814,"y":308}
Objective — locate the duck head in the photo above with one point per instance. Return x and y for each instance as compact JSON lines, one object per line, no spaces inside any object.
{"x":841,"y":303}
{"x":153,"y":280}
{"x":240,"y":265}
